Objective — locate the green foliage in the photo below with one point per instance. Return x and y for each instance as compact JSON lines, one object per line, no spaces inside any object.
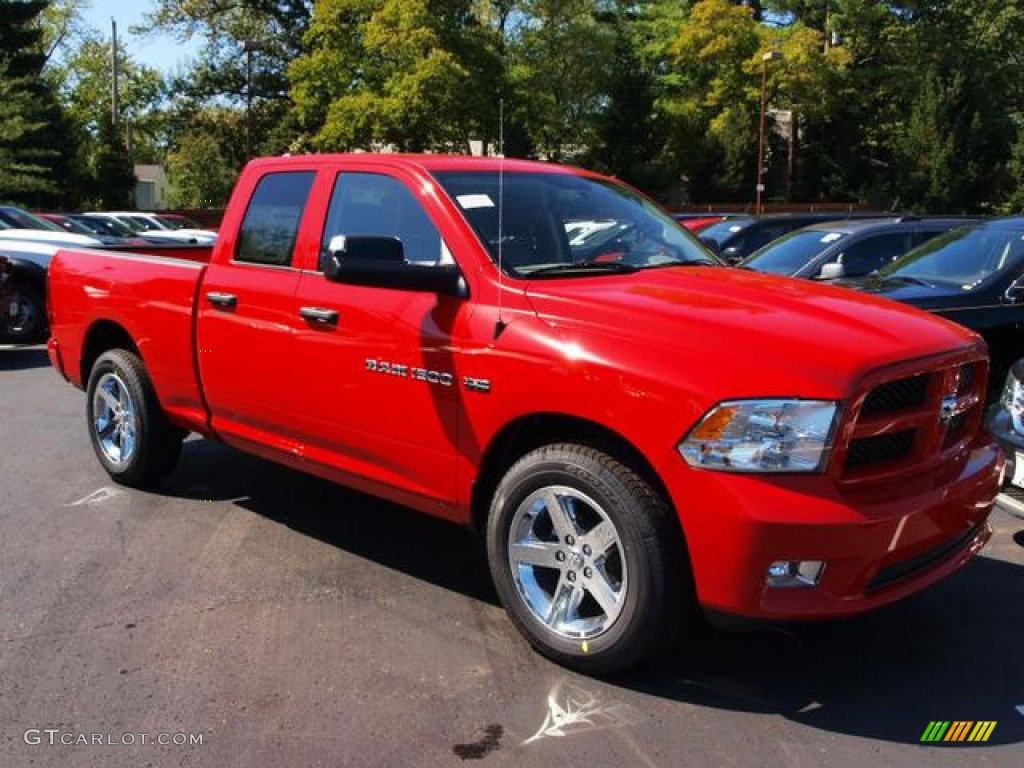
{"x":38,"y":147}
{"x":113,"y":173}
{"x":409,"y":74}
{"x":266,"y":34}
{"x":85,"y":76}
{"x":201,"y":175}
{"x":916,"y":105}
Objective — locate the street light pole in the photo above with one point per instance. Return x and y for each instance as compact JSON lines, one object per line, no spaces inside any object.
{"x":769,"y":56}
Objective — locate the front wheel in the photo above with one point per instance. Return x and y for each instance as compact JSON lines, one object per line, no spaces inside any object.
{"x":129,"y":431}
{"x":586,"y":559}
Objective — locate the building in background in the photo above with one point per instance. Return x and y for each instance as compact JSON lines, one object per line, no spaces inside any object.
{"x":151,"y":188}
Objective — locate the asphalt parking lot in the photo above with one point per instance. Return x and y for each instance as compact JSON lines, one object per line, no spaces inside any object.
{"x":288,"y":622}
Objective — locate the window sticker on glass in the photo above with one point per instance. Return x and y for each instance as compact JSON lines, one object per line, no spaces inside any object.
{"x":475,"y":201}
{"x":831,"y":237}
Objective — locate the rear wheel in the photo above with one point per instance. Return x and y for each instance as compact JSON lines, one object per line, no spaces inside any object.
{"x":128,"y":429}
{"x":586,"y":559}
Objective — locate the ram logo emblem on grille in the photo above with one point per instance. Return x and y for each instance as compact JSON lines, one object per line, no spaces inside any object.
{"x":950,"y":410}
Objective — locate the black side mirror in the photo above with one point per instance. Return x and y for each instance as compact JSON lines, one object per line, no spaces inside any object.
{"x":379,"y":262}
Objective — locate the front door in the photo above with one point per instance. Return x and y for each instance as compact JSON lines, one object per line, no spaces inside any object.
{"x":376,"y":369}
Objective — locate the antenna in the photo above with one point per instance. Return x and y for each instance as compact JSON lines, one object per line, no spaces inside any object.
{"x":500,"y":325}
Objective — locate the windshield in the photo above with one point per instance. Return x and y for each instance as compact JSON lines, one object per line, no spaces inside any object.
{"x":560,"y":224}
{"x":788,"y":254}
{"x":15,"y":218}
{"x":104,"y":226}
{"x":723,"y":230}
{"x":177,"y":222}
{"x":965,"y":258}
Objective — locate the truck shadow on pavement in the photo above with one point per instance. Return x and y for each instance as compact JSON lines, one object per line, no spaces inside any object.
{"x":952,"y":653}
{"x":426,"y":548}
{"x":23,"y":358}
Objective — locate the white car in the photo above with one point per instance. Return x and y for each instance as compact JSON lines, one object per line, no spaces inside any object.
{"x":47,"y":237}
{"x":149,"y":226}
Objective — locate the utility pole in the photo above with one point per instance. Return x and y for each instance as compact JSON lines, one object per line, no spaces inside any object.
{"x":116,"y":73}
{"x":250,"y":47}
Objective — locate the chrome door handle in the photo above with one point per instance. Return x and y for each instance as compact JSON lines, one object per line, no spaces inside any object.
{"x":320,"y":315}
{"x":223,"y":300}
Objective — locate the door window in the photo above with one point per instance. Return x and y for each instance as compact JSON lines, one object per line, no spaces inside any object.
{"x":371,"y":204}
{"x":271,"y":222}
{"x":871,"y":253}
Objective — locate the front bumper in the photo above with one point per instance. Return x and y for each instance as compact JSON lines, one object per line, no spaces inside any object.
{"x":999,"y":422}
{"x":878,"y":545}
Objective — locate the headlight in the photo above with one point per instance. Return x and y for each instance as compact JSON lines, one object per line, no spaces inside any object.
{"x":762,"y":436}
{"x":1013,"y":401}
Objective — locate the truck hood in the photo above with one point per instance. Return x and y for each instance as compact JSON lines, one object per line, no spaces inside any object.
{"x":745,"y":333}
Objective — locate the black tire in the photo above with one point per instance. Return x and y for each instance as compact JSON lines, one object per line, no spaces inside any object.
{"x":642,"y":577}
{"x":27,"y":323}
{"x":154,"y":445}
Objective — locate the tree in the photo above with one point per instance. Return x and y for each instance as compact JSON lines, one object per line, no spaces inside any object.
{"x":23,"y":171}
{"x":201,"y":175}
{"x":266,"y":34}
{"x":628,"y":134}
{"x":409,"y":74}
{"x":559,"y":63}
{"x":709,"y":98}
{"x":113,"y":173}
{"x":38,"y":146}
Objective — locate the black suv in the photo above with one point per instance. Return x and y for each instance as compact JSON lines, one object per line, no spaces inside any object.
{"x":733,"y":241}
{"x":837,"y":249}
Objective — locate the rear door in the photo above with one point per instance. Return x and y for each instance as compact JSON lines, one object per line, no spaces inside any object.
{"x":247,"y":309}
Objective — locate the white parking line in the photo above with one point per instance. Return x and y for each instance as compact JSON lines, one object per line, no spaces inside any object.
{"x":97,"y":497}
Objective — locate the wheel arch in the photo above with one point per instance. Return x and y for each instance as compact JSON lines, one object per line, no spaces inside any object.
{"x":531,"y":431}
{"x":103,"y":336}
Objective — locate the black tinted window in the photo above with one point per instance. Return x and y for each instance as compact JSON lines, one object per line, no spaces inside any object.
{"x":271,"y":222}
{"x":381,"y":206}
{"x":873,"y":253}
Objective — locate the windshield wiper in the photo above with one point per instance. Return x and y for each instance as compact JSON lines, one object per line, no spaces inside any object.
{"x":582,"y":266}
{"x":910,"y":279}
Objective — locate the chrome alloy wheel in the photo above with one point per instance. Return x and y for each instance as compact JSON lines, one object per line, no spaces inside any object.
{"x":115,"y":420}
{"x":567,"y":561}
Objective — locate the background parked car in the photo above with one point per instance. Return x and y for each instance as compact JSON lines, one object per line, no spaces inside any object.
{"x":735,"y":240}
{"x":103,"y":226}
{"x":16,"y":218}
{"x":698,"y":222}
{"x":1006,"y":422}
{"x":847,"y":248}
{"x":150,"y":227}
{"x":22,"y":312}
{"x":973,"y":276}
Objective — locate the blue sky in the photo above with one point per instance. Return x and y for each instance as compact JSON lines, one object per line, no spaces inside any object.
{"x":161,"y":52}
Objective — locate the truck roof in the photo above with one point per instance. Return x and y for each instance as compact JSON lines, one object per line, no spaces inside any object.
{"x":428,"y":162}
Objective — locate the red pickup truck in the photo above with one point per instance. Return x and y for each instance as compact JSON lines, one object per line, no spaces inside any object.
{"x":541,"y":353}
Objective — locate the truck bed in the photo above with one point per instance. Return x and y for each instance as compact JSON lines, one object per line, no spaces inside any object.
{"x":150,"y":292}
